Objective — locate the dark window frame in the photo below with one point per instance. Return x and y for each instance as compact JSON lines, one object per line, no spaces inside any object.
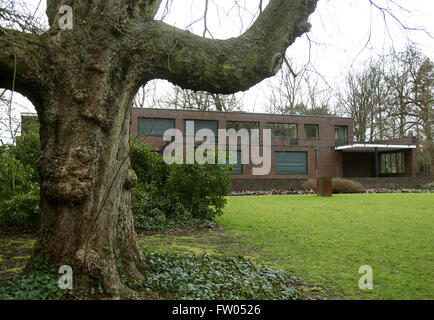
{"x":248,"y":128}
{"x":341,"y":141}
{"x":290,"y":127}
{"x":392,"y":162}
{"x":139,"y":126}
{"x":316,"y":138}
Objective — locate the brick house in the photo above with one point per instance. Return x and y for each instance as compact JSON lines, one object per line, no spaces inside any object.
{"x":302,"y":146}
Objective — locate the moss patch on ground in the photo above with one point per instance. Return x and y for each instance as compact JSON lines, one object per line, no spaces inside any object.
{"x":14,"y":252}
{"x":198,"y":241}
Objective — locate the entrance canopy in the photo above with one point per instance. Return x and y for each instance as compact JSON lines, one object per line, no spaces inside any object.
{"x":373,"y":147}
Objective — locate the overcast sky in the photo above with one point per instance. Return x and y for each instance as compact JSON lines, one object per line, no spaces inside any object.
{"x":344,"y":34}
{"x":339,"y":35}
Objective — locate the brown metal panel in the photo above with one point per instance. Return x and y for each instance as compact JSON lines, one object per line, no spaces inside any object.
{"x":324,"y":186}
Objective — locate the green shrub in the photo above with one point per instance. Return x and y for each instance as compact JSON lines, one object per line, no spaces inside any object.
{"x":21,"y":210}
{"x":339,"y":185}
{"x":177,"y":195}
{"x":147,"y":208}
{"x":19,"y":193}
{"x":27,"y":151}
{"x":201,"y":189}
{"x":15,"y":177}
{"x":148,"y":165}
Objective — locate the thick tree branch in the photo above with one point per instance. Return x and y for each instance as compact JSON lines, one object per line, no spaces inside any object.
{"x":20,"y":65}
{"x":143,"y":9}
{"x":220,"y":66}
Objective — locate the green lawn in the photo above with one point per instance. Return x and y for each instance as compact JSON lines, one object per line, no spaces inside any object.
{"x":326,"y":240}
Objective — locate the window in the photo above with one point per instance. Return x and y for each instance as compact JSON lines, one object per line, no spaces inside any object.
{"x":392,"y":162}
{"x":341,"y":135}
{"x":155,"y":126}
{"x":237,"y":125}
{"x":238,"y":167}
{"x":203,"y":124}
{"x":284,"y":131}
{"x":311,"y":132}
{"x":286,"y":162}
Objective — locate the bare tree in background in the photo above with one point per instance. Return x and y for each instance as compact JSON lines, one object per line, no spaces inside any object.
{"x":305,"y":91}
{"x":409,"y":78}
{"x":364,"y":98}
{"x":179,"y":98}
{"x":418,"y":101}
{"x":146,"y":96}
{"x":424,"y":108}
{"x":9,"y":124}
{"x":298,"y":93}
{"x":393,"y":97}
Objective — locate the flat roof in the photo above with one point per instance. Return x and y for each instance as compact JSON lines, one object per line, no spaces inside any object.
{"x":370,"y":147}
{"x":244,"y":112}
{"x":30,"y":114}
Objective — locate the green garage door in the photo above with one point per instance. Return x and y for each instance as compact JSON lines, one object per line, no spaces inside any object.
{"x":290,"y":162}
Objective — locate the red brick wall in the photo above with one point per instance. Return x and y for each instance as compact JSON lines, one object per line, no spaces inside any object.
{"x":329,"y":161}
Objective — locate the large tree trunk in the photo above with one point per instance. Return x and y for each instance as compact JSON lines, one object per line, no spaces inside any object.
{"x":86,"y":178}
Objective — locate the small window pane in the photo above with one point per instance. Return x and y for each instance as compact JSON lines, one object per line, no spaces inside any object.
{"x":237,"y":125}
{"x":155,"y":126}
{"x":387,"y":163}
{"x":311,"y":131}
{"x":202,"y":124}
{"x":341,"y":135}
{"x":383,"y":163}
{"x":283,"y":131}
{"x":393,"y":162}
{"x":398,"y":163}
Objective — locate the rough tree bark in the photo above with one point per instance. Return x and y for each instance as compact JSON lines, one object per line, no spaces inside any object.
{"x":82,"y":83}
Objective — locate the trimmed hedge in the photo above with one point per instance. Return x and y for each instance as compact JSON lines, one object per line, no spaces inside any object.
{"x":339,"y":185}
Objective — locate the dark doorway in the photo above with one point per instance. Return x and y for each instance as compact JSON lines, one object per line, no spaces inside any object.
{"x":359,"y":164}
